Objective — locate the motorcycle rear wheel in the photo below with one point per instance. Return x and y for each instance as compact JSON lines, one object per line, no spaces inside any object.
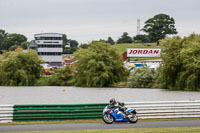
{"x":108,"y":119}
{"x":132,"y":118}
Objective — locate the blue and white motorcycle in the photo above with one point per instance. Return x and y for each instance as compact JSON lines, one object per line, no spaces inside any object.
{"x":111,"y":115}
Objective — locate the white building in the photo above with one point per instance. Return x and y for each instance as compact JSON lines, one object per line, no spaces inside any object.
{"x":49,"y":47}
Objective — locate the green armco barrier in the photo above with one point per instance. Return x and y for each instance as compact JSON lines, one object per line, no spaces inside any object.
{"x":57,"y":112}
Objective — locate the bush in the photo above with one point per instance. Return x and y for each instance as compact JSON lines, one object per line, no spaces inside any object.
{"x":20,"y":68}
{"x":62,"y":77}
{"x":141,"y":78}
{"x":43,"y":81}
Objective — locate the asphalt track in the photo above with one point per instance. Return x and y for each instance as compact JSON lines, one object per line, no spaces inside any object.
{"x":95,"y":126}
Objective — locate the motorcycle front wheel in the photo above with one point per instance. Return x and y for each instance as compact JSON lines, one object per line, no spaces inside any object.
{"x":132,"y":118}
{"x":108,"y":119}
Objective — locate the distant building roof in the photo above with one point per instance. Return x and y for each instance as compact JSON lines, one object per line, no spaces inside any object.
{"x":70,"y":61}
{"x":49,"y":35}
{"x":32,"y":44}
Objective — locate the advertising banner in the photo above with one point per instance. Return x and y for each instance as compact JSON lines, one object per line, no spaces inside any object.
{"x":143,"y":52}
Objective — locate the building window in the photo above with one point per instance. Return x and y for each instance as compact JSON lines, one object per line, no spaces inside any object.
{"x":48,"y":38}
{"x":49,"y":53}
{"x":49,"y":46}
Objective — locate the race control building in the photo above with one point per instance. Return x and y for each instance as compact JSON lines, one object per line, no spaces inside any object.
{"x":49,"y":47}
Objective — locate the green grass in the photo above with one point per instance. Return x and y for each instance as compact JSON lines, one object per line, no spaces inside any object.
{"x":139,"y":130}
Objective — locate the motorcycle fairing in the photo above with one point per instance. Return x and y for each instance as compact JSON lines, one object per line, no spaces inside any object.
{"x":130,"y":110}
{"x":118,"y":116}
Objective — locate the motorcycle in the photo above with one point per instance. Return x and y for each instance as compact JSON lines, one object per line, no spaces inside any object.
{"x":111,"y":115}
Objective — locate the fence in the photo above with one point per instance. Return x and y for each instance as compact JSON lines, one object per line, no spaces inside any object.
{"x":6,"y":113}
{"x":58,"y":112}
{"x":166,"y":109}
{"x":52,"y":112}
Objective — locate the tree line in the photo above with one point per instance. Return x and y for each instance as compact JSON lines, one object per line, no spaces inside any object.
{"x":100,"y":65}
{"x":156,"y":28}
{"x":11,"y":41}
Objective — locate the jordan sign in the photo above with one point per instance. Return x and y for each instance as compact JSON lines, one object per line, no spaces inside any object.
{"x":143,"y":52}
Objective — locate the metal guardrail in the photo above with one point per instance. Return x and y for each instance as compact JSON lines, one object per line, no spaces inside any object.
{"x":58,"y":112}
{"x":6,"y":113}
{"x":166,"y":109}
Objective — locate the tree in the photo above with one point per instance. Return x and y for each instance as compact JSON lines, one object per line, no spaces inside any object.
{"x":142,"y":38}
{"x":65,"y":40}
{"x":70,"y":42}
{"x":159,"y":26}
{"x":69,"y":50}
{"x":24,"y":45}
{"x":13,"y":48}
{"x":20,"y":68}
{"x":3,"y":35}
{"x":73,"y":44}
{"x":85,"y":46}
{"x":125,"y":38}
{"x":110,"y":40}
{"x":13,"y":39}
{"x":141,"y":78}
{"x":181,"y":63}
{"x":99,"y":66}
{"x":172,"y":63}
{"x":62,"y":77}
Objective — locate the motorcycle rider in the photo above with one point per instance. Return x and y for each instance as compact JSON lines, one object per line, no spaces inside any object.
{"x":114,"y":104}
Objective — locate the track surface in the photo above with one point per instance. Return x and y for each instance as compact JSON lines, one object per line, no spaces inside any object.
{"x":93,"y":126}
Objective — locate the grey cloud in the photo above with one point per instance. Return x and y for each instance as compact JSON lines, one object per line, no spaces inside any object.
{"x":113,"y":16}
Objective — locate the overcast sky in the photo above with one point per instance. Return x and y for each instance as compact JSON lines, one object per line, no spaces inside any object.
{"x":87,"y":20}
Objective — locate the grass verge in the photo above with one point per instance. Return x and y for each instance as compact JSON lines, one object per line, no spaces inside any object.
{"x":139,"y":130}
